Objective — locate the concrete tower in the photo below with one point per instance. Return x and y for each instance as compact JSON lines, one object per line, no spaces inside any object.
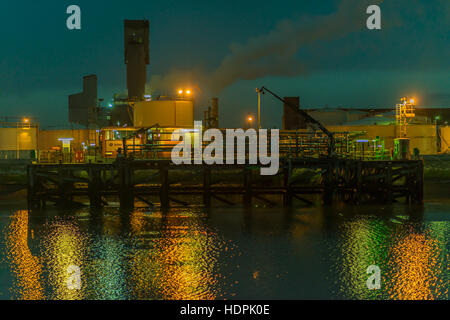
{"x":137,"y":56}
{"x":83,"y":106}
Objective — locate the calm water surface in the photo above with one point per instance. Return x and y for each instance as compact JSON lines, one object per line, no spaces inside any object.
{"x":307,"y":253}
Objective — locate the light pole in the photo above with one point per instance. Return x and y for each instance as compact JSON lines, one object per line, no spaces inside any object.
{"x":259,"y":107}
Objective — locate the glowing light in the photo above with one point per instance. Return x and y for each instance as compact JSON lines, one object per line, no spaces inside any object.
{"x":188,"y":91}
{"x":180,"y":91}
{"x":25,"y":120}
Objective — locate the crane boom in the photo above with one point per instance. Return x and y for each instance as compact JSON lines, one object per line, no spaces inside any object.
{"x":310,"y":120}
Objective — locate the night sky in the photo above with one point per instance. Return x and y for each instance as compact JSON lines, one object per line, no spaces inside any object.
{"x":342,"y":63}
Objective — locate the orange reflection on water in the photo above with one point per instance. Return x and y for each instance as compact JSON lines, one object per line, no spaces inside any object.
{"x":26,"y":268}
{"x":180,"y":265}
{"x":416,"y":262}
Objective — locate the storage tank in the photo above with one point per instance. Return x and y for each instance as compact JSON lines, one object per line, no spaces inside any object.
{"x":165,"y":113}
{"x":18,"y":143}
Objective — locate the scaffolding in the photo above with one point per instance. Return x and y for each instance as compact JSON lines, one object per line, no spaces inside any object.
{"x":404,"y":113}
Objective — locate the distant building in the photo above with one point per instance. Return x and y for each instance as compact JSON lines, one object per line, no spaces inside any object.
{"x":292,"y":120}
{"x":83,"y":106}
{"x":380,"y":116}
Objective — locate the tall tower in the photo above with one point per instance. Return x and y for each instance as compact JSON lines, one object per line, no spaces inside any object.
{"x":83,"y":106}
{"x":137,"y":56}
{"x":292,"y":120}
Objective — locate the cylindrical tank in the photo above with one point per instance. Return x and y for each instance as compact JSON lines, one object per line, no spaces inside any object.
{"x":18,"y":143}
{"x":165,"y":113}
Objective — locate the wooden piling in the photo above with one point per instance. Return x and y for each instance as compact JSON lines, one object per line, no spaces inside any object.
{"x":126,"y":192}
{"x":164,"y":191}
{"x":353,"y":180}
{"x":94,"y":187}
{"x":206,"y":186}
{"x":247,"y":196}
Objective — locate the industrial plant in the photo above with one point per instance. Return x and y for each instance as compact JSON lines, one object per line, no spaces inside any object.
{"x":139,"y":127}
{"x":226,"y":151}
{"x":375,"y":133}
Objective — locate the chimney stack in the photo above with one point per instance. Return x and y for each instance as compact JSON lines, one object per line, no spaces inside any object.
{"x":137,"y":56}
{"x":214,"y":113}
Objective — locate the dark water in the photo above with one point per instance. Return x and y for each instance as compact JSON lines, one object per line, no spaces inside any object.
{"x":307,"y":253}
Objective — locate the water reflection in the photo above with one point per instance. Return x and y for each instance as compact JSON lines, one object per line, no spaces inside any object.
{"x":418,"y":267}
{"x":412,"y":255}
{"x":189,"y":254}
{"x":26,"y":269}
{"x":63,"y":245}
{"x":181,"y":262}
{"x":363,"y":243}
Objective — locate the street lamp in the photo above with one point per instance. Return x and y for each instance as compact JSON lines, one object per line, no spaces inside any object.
{"x":250,"y":120}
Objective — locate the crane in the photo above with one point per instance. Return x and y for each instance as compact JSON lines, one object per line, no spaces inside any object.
{"x":310,"y":120}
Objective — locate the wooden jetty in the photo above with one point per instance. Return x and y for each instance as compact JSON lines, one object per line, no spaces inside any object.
{"x":161,"y":183}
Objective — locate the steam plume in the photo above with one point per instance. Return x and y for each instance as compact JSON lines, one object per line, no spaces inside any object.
{"x":274,"y":54}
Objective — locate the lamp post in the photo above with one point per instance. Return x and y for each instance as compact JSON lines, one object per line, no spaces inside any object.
{"x":259,"y":107}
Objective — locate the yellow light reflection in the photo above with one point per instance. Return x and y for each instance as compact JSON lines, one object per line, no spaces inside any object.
{"x":26,"y":268}
{"x":180,"y":265}
{"x":64,"y":246}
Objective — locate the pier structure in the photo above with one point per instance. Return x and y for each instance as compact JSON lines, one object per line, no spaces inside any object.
{"x":161,"y":183}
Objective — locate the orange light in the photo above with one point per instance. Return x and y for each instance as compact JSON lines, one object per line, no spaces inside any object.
{"x":188,"y":91}
{"x":180,"y":91}
{"x":25,"y":120}
{"x":250,"y":119}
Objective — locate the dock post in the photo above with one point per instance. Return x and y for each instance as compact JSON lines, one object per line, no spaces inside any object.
{"x":164,"y":191}
{"x":126,"y":193}
{"x":94,"y":187}
{"x":419,"y":183}
{"x":31,"y":188}
{"x":358,"y":181}
{"x":206,"y":186}
{"x":389,"y":183}
{"x":328,"y":184}
{"x":287,"y":197}
{"x":247,"y":187}
{"x":64,"y":185}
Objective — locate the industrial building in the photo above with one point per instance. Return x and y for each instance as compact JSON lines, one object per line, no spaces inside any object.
{"x":18,"y":138}
{"x":427,"y":130}
{"x":83,"y":106}
{"x":137,"y":121}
